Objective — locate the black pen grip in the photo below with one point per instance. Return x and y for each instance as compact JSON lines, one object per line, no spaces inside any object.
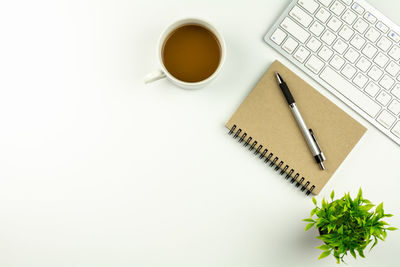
{"x":286,"y":93}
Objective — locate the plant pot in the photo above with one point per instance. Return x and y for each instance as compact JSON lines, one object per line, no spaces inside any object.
{"x":320,"y":232}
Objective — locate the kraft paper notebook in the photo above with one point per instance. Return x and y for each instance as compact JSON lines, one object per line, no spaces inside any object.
{"x":265,"y":124}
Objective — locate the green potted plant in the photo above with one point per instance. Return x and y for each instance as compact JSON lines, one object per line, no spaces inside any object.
{"x":348,"y":225}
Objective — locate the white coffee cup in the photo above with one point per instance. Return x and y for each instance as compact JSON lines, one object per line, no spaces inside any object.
{"x":163,"y":72}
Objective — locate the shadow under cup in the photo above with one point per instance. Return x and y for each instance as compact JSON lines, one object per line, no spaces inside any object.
{"x":191,"y":53}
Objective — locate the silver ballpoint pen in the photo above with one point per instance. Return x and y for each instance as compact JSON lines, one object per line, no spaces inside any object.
{"x":307,"y":133}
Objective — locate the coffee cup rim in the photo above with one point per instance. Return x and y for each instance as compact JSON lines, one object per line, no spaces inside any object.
{"x":188,"y":20}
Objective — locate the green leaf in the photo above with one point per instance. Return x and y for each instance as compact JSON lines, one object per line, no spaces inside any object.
{"x":308,"y":220}
{"x":324,"y":247}
{"x":367,"y":207}
{"x":323,"y":203}
{"x":320,"y":213}
{"x":336,"y":254}
{"x":332,"y":194}
{"x":309,"y":226}
{"x":359,"y":195}
{"x":314,"y":201}
{"x":379,"y":208}
{"x":384,"y":234}
{"x":375,"y":242}
{"x":353,"y":253}
{"x":361,"y":253}
{"x":371,"y":230}
{"x":322,"y":220}
{"x":366,"y":201}
{"x":387,"y":215}
{"x":324,"y":254}
{"x":313,"y":212}
{"x":391,"y":228}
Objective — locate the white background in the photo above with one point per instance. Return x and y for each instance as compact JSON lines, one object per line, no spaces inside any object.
{"x":98,"y":169}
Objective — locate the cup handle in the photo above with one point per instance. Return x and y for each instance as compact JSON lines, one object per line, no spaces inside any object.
{"x":154,"y":76}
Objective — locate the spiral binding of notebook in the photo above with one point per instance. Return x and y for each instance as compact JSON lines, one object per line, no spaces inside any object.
{"x":270,"y":159}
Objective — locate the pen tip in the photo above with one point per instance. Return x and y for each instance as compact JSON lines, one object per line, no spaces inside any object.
{"x":278,"y":77}
{"x":322,"y":166}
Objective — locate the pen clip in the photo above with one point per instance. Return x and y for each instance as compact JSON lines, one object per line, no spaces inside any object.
{"x":317,"y":144}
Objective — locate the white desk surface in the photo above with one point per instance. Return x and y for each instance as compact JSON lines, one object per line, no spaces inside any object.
{"x":98,"y":169}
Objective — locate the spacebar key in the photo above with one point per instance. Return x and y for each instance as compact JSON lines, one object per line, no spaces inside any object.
{"x":350,"y":92}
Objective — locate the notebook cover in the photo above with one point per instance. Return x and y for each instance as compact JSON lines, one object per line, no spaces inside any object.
{"x":265,"y":116}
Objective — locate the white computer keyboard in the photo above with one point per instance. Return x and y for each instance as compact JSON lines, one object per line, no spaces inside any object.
{"x":351,"y":49}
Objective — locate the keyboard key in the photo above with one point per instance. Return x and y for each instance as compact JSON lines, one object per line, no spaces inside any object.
{"x":313,"y":44}
{"x":357,"y":41}
{"x":348,"y":90}
{"x":337,"y":62}
{"x":348,"y":71}
{"x":298,"y":32}
{"x":351,"y":55}
{"x":357,"y":8}
{"x":375,"y":73}
{"x":290,"y":45}
{"x":396,"y":129}
{"x":386,"y":82}
{"x":395,"y":52}
{"x":384,"y":43}
{"x":309,"y":5}
{"x":369,"y":17}
{"x":346,"y":33}
{"x":325,"y":53}
{"x":394,"y":107}
{"x":393,"y":69}
{"x":360,"y":25}
{"x":334,"y":24}
{"x":369,"y":50}
{"x":300,"y":16}
{"x":382,"y":27}
{"x":381,"y":60}
{"x":301,"y":54}
{"x":386,"y":119}
{"x":337,"y":8}
{"x":278,"y":36}
{"x":383,"y":98}
{"x":372,"y":89}
{"x":317,"y":28}
{"x":328,"y":37}
{"x":360,"y":80}
{"x":340,"y":46}
{"x":314,"y":64}
{"x":372,"y":34}
{"x":323,"y":14}
{"x":349,"y":17}
{"x":325,"y":2}
{"x":363,"y":64}
{"x":396,"y":91}
{"x":394,"y":36}
{"x":347,"y":2}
